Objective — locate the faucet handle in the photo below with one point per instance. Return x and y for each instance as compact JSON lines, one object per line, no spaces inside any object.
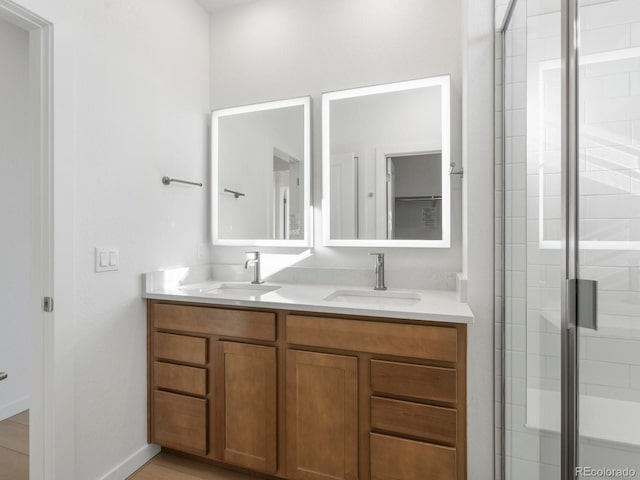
{"x":255,"y":254}
{"x":379,"y":255}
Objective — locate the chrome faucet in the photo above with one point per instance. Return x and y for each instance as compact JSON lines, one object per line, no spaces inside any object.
{"x":379,"y":271}
{"x":255,"y":261}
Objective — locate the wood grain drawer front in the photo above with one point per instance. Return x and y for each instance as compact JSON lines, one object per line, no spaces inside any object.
{"x":415,"y":381}
{"x":418,"y":341}
{"x":180,"y":348}
{"x":180,"y":422}
{"x":426,"y":422}
{"x":400,"y":459}
{"x":180,"y":378}
{"x":215,"y":321}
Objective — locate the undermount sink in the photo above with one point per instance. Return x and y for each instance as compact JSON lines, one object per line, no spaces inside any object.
{"x":375,"y":297}
{"x":242,"y":289}
{"x":238,"y":289}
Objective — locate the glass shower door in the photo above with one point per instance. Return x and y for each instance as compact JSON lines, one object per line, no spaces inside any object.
{"x":608,"y":206}
{"x":533,"y":251}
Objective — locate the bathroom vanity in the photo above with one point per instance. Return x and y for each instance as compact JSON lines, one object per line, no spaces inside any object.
{"x":302,"y":389}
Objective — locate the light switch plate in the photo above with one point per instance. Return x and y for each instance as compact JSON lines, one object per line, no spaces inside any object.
{"x":107,"y":259}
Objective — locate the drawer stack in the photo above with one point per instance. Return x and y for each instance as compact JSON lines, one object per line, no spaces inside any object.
{"x":413,"y":421}
{"x":211,"y":392}
{"x":179,"y":389}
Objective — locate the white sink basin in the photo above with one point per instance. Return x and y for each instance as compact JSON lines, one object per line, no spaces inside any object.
{"x":242,"y":289}
{"x":375,"y":297}
{"x":236,"y":289}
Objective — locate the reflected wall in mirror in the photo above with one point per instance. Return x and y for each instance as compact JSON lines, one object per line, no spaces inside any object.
{"x":386,"y":155}
{"x":261,"y":174}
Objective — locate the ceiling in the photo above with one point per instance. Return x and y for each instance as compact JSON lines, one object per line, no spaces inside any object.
{"x":214,"y":5}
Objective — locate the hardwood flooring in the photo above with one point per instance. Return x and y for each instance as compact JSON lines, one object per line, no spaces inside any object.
{"x":166,"y":466}
{"x":14,"y":447}
{"x":14,"y":459}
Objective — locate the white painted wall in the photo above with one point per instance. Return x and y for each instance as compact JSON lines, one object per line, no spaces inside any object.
{"x":274,"y":49}
{"x":18,"y":208}
{"x":478,"y":134}
{"x":131,"y":94}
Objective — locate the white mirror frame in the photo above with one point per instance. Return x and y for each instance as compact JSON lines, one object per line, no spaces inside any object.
{"x":442,"y":81}
{"x":307,"y":241}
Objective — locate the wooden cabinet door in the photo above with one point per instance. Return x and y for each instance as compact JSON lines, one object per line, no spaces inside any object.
{"x":322,"y":416}
{"x":246,"y":399}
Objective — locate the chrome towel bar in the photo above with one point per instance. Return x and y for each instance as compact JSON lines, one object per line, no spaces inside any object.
{"x":234,"y":193}
{"x":168,"y":180}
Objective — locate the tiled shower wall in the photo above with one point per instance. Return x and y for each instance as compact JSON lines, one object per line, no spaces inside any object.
{"x":609,"y":212}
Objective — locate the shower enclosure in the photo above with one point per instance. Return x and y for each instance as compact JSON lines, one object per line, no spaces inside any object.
{"x":568,"y":238}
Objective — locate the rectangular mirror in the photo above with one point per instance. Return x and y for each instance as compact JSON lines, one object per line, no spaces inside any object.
{"x":261,"y":174}
{"x":385,"y":165}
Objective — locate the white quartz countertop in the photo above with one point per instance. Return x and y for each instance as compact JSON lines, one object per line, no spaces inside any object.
{"x":433,"y":305}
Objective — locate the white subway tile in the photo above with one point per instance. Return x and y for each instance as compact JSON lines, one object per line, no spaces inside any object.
{"x":610,"y":110}
{"x":612,"y":158}
{"x":610,"y":13}
{"x":616,"y":351}
{"x":608,"y":207}
{"x":611,"y":67}
{"x":605,"y":39}
{"x":604,"y":373}
{"x":603,"y":134}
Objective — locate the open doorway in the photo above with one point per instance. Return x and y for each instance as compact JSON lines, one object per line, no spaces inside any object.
{"x":25,"y":245}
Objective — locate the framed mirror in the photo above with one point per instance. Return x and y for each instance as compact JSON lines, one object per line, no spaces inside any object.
{"x":261,"y":174}
{"x":385,"y":165}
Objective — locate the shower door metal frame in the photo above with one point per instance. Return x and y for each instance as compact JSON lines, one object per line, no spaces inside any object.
{"x":569,"y":226}
{"x":569,"y":432}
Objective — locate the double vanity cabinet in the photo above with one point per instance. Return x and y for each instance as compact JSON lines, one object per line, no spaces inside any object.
{"x":308,"y":396}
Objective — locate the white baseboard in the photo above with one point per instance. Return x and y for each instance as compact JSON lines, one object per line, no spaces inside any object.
{"x":14,"y":408}
{"x":133,"y":463}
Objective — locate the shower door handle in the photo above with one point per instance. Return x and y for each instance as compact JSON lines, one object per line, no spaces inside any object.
{"x":585,"y":310}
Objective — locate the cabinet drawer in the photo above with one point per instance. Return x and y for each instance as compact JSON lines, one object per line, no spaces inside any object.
{"x":418,"y":341}
{"x":180,"y":348}
{"x":215,"y":321}
{"x":417,"y":420}
{"x":415,"y":381}
{"x":178,"y":377}
{"x":180,"y":422}
{"x":400,"y":459}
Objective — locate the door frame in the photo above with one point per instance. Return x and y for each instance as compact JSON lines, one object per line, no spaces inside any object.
{"x":41,"y":431}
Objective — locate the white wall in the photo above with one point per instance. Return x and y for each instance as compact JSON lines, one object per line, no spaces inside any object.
{"x":131,"y":94}
{"x":18,"y":208}
{"x":274,"y":49}
{"x":478,"y":134}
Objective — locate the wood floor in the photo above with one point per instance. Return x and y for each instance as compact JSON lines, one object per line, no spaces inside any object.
{"x":166,"y":466}
{"x":14,"y":447}
{"x":14,"y":459}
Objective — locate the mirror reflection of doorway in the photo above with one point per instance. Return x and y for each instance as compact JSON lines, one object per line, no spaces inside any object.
{"x":414,"y":196}
{"x":287,"y":196}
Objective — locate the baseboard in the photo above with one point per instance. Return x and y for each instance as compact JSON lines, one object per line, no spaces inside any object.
{"x":133,"y":463}
{"x":14,"y":408}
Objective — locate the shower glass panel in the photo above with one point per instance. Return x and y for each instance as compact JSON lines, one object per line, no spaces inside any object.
{"x":532,"y":249}
{"x":609,"y":234}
